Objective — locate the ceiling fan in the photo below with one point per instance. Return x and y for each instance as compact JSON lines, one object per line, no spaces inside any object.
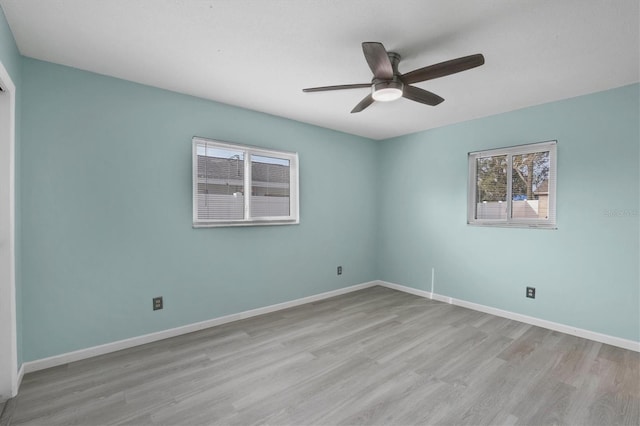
{"x":388,"y":84}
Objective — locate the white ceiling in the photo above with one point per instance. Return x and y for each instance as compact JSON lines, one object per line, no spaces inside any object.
{"x":259,"y":54}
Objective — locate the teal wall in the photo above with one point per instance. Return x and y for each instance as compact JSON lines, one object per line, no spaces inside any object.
{"x":106,"y":212}
{"x":586,"y":272}
{"x":12,"y":62}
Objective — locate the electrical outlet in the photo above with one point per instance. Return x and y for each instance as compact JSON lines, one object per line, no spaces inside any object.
{"x":157,"y":303}
{"x":339,"y":270}
{"x":531,"y":292}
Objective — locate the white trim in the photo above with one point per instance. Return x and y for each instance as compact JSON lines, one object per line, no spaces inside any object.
{"x":563,"y":328}
{"x":405,"y":289}
{"x":78,"y":355}
{"x":20,"y":377}
{"x":516,"y":149}
{"x":9,"y":335}
{"x":41,"y":364}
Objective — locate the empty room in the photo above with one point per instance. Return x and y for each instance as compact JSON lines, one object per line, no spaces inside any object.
{"x":319,"y":212}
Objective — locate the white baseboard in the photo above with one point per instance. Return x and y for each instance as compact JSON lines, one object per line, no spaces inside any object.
{"x":20,"y":376}
{"x":574,"y":331}
{"x":81,"y":354}
{"x":41,"y":364}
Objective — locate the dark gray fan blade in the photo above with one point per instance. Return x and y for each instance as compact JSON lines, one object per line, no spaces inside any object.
{"x":420,"y":95}
{"x":341,"y":87}
{"x":443,"y":68}
{"x":363,"y":104}
{"x":378,"y":60}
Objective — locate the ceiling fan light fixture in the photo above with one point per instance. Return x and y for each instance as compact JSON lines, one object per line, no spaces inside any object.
{"x":387,"y":91}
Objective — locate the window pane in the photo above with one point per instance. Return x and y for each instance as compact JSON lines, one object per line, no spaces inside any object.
{"x":491,"y":187}
{"x":220,"y":183}
{"x":513,"y":186}
{"x":530,"y":185}
{"x":270,"y":186}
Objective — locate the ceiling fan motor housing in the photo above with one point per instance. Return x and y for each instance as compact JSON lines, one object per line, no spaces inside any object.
{"x":384,"y":90}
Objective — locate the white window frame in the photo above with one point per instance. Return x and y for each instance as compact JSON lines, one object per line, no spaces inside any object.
{"x":248,"y":220}
{"x":550,"y":223}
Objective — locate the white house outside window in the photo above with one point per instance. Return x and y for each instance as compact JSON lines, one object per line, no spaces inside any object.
{"x":236,"y":185}
{"x":513,"y":186}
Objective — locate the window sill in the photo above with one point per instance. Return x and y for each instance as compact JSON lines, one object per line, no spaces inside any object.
{"x":548,"y":226}
{"x":245,"y":223}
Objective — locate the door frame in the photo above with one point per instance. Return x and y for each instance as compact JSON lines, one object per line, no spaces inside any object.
{"x":8,"y":332}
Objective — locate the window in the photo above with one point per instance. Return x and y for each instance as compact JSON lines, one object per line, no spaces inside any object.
{"x":235,"y":185}
{"x":513,"y":186}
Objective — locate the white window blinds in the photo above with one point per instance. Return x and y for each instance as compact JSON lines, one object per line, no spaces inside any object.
{"x":240,"y":185}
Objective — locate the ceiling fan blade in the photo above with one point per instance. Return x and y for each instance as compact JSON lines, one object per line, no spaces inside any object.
{"x":378,"y":60}
{"x":368,"y":100}
{"x":340,"y":87}
{"x":421,"y":95}
{"x":443,"y":68}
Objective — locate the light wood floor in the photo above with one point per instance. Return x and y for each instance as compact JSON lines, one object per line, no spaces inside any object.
{"x":375,"y":356}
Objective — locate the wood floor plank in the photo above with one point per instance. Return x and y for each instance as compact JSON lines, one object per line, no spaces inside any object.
{"x":7,"y":410}
{"x":374,"y":357}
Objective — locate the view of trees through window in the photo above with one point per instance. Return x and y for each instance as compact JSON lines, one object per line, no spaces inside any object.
{"x":530,"y":173}
{"x":529,"y":181}
{"x":492,"y":178}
